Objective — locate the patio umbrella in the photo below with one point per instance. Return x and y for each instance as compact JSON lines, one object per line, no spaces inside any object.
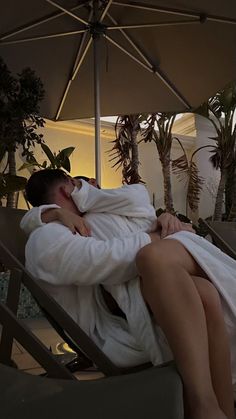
{"x":163,"y":55}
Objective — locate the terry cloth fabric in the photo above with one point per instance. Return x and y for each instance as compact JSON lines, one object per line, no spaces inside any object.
{"x":71,"y":269}
{"x":221,"y":270}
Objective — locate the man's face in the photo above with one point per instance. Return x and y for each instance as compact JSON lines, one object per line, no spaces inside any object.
{"x":70,"y":185}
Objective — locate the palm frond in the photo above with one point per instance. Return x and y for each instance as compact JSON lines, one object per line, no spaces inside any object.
{"x":124,"y":151}
{"x":180,"y":167}
{"x":215,"y":159}
{"x":195,"y":185}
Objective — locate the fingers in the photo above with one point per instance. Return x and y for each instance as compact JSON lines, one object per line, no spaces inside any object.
{"x":178,"y":224}
{"x":87,"y":228}
{"x":188,"y":227}
{"x":75,"y":223}
{"x":82,"y":228}
{"x":172,"y":226}
{"x":169,"y":224}
{"x":164,"y":230}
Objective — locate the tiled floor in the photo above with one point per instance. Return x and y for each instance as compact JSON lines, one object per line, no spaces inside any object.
{"x":43,"y":330}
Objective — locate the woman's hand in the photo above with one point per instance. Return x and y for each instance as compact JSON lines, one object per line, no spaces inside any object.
{"x":188,"y":227}
{"x":169,"y":224}
{"x":75,"y":223}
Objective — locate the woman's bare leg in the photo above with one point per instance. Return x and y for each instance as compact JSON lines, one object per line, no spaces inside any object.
{"x":219,"y":350}
{"x":168,"y":288}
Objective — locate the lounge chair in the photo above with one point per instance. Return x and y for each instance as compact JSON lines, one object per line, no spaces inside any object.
{"x":12,"y":242}
{"x":223,"y":235}
{"x":153,"y":393}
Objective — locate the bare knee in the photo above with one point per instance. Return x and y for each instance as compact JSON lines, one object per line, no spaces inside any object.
{"x":166,"y":254}
{"x":145,"y":254}
{"x":152,"y":257}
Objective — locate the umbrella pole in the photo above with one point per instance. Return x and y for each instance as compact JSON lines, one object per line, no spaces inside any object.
{"x":97,"y":110}
{"x":96,"y":63}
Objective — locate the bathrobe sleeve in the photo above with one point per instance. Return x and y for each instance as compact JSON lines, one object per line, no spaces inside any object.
{"x":55,"y":255}
{"x":32,"y":219}
{"x":129,"y":200}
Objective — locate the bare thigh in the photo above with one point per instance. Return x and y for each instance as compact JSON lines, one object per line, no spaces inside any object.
{"x":170,"y":252}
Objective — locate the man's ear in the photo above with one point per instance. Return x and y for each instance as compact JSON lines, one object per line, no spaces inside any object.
{"x":65,"y":191}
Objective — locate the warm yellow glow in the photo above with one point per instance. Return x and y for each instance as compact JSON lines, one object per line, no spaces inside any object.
{"x":63,"y":347}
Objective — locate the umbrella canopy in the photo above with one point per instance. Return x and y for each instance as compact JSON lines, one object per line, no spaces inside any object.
{"x":153,"y":55}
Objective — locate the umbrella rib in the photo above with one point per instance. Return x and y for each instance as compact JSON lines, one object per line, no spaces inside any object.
{"x":203,"y":16}
{"x":75,"y":71}
{"x":154,"y":71}
{"x":172,"y":87}
{"x":80,"y":48}
{"x":39,"y":38}
{"x":77,"y":60}
{"x":105,"y":11}
{"x":80,"y":62}
{"x":132,"y":43}
{"x":147,"y":67}
{"x":219,"y":19}
{"x":37,"y":23}
{"x":142,"y":6}
{"x":68,"y":12}
{"x":151,"y":25}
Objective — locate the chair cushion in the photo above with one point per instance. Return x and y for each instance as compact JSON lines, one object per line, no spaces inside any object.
{"x":152,"y":393}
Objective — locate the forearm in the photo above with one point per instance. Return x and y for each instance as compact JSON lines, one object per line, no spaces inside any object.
{"x":33,"y":218}
{"x":50,"y":215}
{"x":63,"y":259}
{"x":131,"y":200}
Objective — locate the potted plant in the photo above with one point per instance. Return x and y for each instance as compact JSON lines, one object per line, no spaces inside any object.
{"x":20,"y":97}
{"x":55,"y":160}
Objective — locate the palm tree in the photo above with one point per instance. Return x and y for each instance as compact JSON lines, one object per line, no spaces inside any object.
{"x":125,"y":147}
{"x":186,"y":169}
{"x":220,"y":110}
{"x":158,"y":128}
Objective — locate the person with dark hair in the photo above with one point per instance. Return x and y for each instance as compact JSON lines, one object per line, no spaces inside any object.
{"x":40,"y":186}
{"x":90,"y":180}
{"x":87,"y":179}
{"x":165,"y":288}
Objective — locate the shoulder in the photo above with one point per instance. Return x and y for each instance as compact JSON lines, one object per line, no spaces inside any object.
{"x":135,"y":187}
{"x":136,"y":190}
{"x":50,"y":233}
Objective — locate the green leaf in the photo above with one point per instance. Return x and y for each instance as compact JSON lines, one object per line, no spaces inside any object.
{"x":66,"y":164}
{"x":28,"y":165}
{"x":49,"y":154}
{"x":66,"y":152}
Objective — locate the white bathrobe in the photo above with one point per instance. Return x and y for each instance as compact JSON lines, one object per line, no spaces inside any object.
{"x":71,"y":268}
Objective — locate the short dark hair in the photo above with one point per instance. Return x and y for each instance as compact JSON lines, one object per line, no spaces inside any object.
{"x":40,"y":185}
{"x":82,"y":177}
